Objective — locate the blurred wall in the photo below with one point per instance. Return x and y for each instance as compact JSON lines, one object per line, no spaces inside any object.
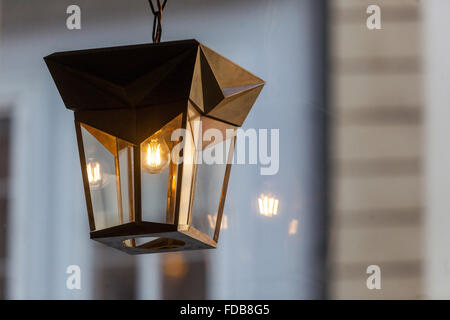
{"x":377,"y":152}
{"x":280,"y":41}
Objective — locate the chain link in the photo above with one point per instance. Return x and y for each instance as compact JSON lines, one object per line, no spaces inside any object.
{"x":157,"y":11}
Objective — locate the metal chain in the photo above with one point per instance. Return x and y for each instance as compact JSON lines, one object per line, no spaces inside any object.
{"x":157,"y":19}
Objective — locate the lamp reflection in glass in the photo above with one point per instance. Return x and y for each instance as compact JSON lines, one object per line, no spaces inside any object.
{"x":175,"y":265}
{"x":293,"y":226}
{"x":94,"y":173}
{"x":268,"y":205}
{"x":213,"y":222}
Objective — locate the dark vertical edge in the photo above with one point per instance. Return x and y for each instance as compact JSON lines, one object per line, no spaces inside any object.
{"x":118,"y":183}
{"x":130,"y":183}
{"x":6,"y":124}
{"x":322,"y":143}
{"x":132,"y":242}
{"x":87,"y":192}
{"x":137,"y":183}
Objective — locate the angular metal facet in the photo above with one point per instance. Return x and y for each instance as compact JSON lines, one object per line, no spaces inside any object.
{"x":155,"y":77}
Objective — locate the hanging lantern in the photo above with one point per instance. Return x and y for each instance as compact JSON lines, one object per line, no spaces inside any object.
{"x":129,"y":104}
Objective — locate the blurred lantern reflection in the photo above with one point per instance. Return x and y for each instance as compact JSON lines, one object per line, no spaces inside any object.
{"x":175,"y":265}
{"x":213,"y":220}
{"x":268,"y":205}
{"x":94,"y":173}
{"x":293,"y":225}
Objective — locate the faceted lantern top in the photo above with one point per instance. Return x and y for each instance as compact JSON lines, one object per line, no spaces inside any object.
{"x":165,"y":76}
{"x":129,"y":102}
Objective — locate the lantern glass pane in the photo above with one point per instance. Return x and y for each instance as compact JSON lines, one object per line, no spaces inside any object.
{"x":217,"y":148}
{"x":159,"y":174}
{"x":100,"y":149}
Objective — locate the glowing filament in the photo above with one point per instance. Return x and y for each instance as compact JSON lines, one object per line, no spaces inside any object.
{"x":154,"y":154}
{"x":93,"y":172}
{"x":268,"y":206}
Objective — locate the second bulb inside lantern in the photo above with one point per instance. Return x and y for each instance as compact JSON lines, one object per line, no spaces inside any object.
{"x":94,"y":173}
{"x":155,"y":155}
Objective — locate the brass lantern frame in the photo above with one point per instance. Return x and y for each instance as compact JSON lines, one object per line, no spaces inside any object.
{"x":131,"y":92}
{"x":117,"y":235}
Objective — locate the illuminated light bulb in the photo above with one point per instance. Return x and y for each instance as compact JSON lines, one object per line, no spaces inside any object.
{"x":268,"y":206}
{"x":94,"y":173}
{"x":156,"y":156}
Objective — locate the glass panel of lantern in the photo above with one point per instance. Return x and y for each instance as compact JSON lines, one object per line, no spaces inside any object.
{"x":159,"y":174}
{"x":109,"y":166}
{"x":215,"y":141}
{"x":162,"y":162}
{"x":201,"y":160}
